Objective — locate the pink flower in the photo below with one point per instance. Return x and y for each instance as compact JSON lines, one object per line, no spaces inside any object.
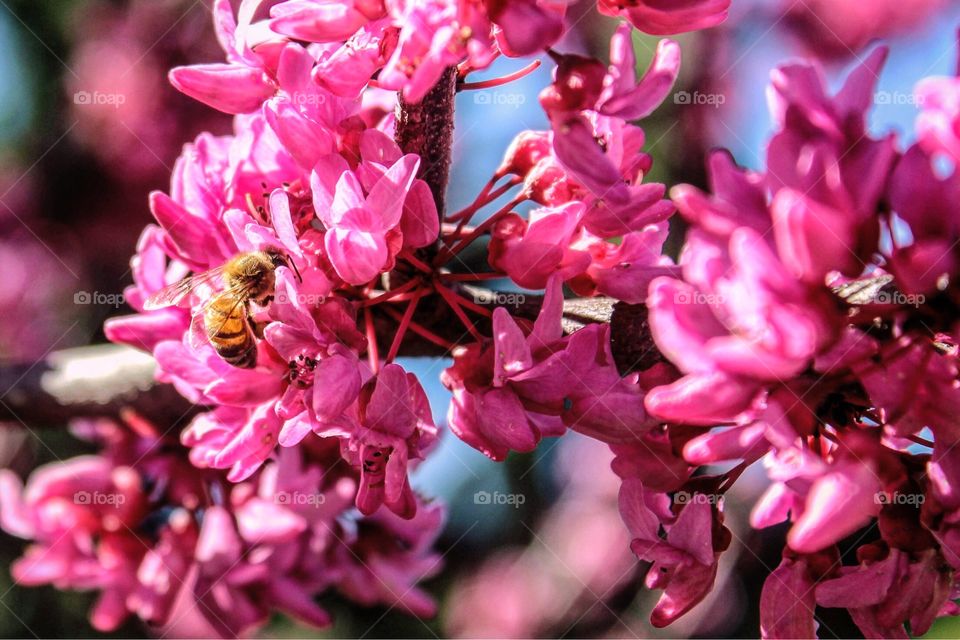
{"x":358,"y":223}
{"x":510,"y":394}
{"x":435,"y":34}
{"x":685,"y":562}
{"x":922,"y":201}
{"x":939,"y":100}
{"x":527,"y":26}
{"x":663,"y":17}
{"x":319,"y":21}
{"x":245,"y":81}
{"x":392,"y":425}
{"x":788,"y":600}
{"x":587,"y":103}
{"x":823,"y":218}
{"x":374,"y":574}
{"x":884,"y":592}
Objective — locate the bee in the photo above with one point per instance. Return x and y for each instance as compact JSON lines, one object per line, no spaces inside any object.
{"x":224,"y":317}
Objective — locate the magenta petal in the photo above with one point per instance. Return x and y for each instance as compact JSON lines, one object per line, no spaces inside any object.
{"x":420,"y":224}
{"x":838,"y":504}
{"x":227,"y":87}
{"x":336,"y":383}
{"x":511,"y":352}
{"x":861,"y":586}
{"x":316,"y":21}
{"x":641,"y":520}
{"x":14,"y":515}
{"x":295,"y":429}
{"x":580,"y":153}
{"x":218,"y":542}
{"x":396,"y":475}
{"x":356,"y":256}
{"x":641,"y":100}
{"x":692,"y":531}
{"x":390,"y":409}
{"x":704,"y":399}
{"x":548,"y":328}
{"x":787,"y":602}
{"x":306,"y":141}
{"x":387,"y":196}
{"x":145,"y":331}
{"x":282,"y":222}
{"x":192,"y":235}
{"x":323,"y":184}
{"x":503,"y":421}
{"x":291,"y":597}
{"x":688,"y":586}
{"x":267,"y":522}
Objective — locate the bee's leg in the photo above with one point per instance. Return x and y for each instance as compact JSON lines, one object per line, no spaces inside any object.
{"x":256,"y":327}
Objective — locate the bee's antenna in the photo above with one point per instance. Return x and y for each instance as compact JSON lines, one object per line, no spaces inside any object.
{"x":293,"y":265}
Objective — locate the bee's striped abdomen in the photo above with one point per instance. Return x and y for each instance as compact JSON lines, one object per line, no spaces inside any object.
{"x":229,"y":331}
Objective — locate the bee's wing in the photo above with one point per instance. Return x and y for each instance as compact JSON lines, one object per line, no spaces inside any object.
{"x":197,"y":335}
{"x":198,"y":329}
{"x":176,"y":293}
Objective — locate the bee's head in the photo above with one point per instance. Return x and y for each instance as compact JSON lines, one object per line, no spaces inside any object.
{"x":277,"y":258}
{"x":281,"y":259}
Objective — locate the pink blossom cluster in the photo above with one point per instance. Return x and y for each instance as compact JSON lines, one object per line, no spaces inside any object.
{"x":312,"y":173}
{"x":812,"y":329}
{"x":164,"y":540}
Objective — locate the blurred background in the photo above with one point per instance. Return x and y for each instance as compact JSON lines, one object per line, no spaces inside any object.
{"x":89,"y":125}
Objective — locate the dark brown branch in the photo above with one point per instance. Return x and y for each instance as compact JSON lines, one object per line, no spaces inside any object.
{"x":88,"y":382}
{"x":426,"y":128}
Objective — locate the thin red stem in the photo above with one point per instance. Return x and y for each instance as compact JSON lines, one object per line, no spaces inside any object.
{"x":452,"y":301}
{"x":421,"y":331}
{"x":404,"y":325}
{"x":390,"y":295}
{"x":496,"y":82}
{"x":373,"y":354}
{"x":471,"y":277}
{"x":466,"y":303}
{"x":448,"y":252}
{"x":486,"y":197}
{"x":415,"y":261}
